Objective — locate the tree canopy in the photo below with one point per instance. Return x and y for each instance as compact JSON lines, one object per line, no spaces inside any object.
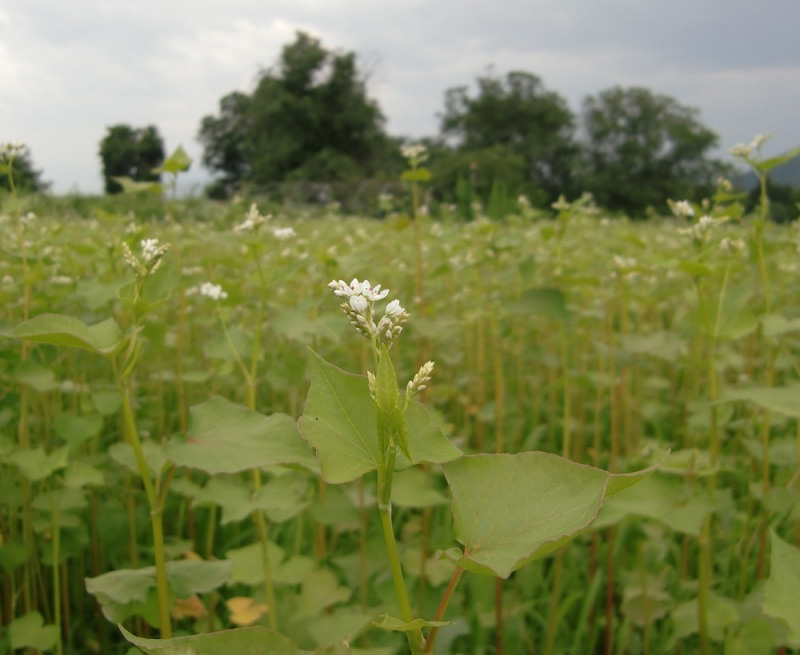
{"x":643,"y":149}
{"x":308,"y":118}
{"x":518,"y":113}
{"x":16,"y":160}
{"x":130,"y":152}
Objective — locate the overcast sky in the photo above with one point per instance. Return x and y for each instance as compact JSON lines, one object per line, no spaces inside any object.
{"x":69,"y":69}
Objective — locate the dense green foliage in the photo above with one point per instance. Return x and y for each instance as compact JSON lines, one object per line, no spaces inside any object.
{"x":130,"y":152}
{"x":643,"y":149}
{"x":309,"y":119}
{"x":20,"y":166}
{"x":515,"y":120}
{"x":606,"y":341}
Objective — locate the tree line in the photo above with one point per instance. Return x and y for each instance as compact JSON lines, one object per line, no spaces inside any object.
{"x":309,"y":119}
{"x":309,"y":131}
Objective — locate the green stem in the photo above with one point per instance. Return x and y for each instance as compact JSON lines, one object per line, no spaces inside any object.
{"x":415,"y":638}
{"x":263,"y":536}
{"x":448,"y":594}
{"x":56,"y":530}
{"x":156,"y":509}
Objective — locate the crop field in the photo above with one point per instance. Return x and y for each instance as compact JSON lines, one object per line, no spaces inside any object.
{"x":219,"y":435}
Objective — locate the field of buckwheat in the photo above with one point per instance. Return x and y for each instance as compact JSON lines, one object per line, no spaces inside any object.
{"x":225,"y":430}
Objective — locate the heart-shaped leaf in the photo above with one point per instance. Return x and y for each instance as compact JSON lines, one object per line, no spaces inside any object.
{"x":340,"y":422}
{"x":780,"y":591}
{"x":228,"y":438}
{"x":511,"y":509}
{"x":103,"y":338}
{"x":392,"y":623}
{"x":29,"y":631}
{"x":784,"y":400}
{"x":242,"y":641}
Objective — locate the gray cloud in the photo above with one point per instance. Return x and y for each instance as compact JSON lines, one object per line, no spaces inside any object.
{"x":69,"y":70}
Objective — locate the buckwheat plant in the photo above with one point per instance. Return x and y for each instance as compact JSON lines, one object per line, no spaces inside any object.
{"x":358,"y":424}
{"x":123,"y":351}
{"x":751,"y":154}
{"x":359,"y":299}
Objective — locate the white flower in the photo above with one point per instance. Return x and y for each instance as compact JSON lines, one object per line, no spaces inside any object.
{"x":681,"y":208}
{"x":252,"y":220}
{"x":420,"y":380}
{"x":416,"y":153}
{"x":149,"y":249}
{"x":744,"y":151}
{"x":283,"y":233}
{"x":359,"y":304}
{"x":732,"y":245}
{"x":393,"y":309}
{"x":213,"y":291}
{"x":360,"y":298}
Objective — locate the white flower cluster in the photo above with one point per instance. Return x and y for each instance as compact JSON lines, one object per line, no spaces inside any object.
{"x":699,"y":231}
{"x":416,"y":153}
{"x":283,"y":233}
{"x":213,"y":291}
{"x":681,"y":208}
{"x":360,"y":298}
{"x":9,"y":150}
{"x":744,"y":151}
{"x":152,"y":256}
{"x":732,"y":245}
{"x":420,"y":380}
{"x":252,"y":220}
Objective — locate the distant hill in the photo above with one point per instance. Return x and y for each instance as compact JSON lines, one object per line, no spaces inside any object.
{"x":787,"y":174}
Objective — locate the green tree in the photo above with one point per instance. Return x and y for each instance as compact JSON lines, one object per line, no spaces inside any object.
{"x":643,"y":149}
{"x":518,"y":113}
{"x":309,"y":118}
{"x":18,"y":162}
{"x":130,"y":152}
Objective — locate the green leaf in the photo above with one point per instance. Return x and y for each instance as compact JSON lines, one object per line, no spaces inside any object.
{"x":780,"y":591}
{"x":228,"y":438}
{"x":774,"y":325}
{"x":106,"y":402}
{"x":664,"y":499}
{"x":187,"y":577}
{"x":753,"y":637}
{"x":242,"y":641}
{"x":344,"y":623}
{"x":248,"y":566}
{"x":320,"y":590}
{"x":29,"y":631}
{"x":784,"y":400}
{"x":122,"y":453}
{"x":415,"y":488}
{"x":58,"y":330}
{"x":391,"y":422}
{"x":340,"y":422}
{"x":768,"y":164}
{"x":387,"y":622}
{"x":693,"y":268}
{"x":36,"y":464}
{"x":416,"y":175}
{"x":75,"y":429}
{"x":130,"y":185}
{"x":544,"y":301}
{"x":129,"y":592}
{"x":35,"y":376}
{"x":510,"y":509}
{"x":177,"y":162}
{"x":81,"y":474}
{"x":721,"y":614}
